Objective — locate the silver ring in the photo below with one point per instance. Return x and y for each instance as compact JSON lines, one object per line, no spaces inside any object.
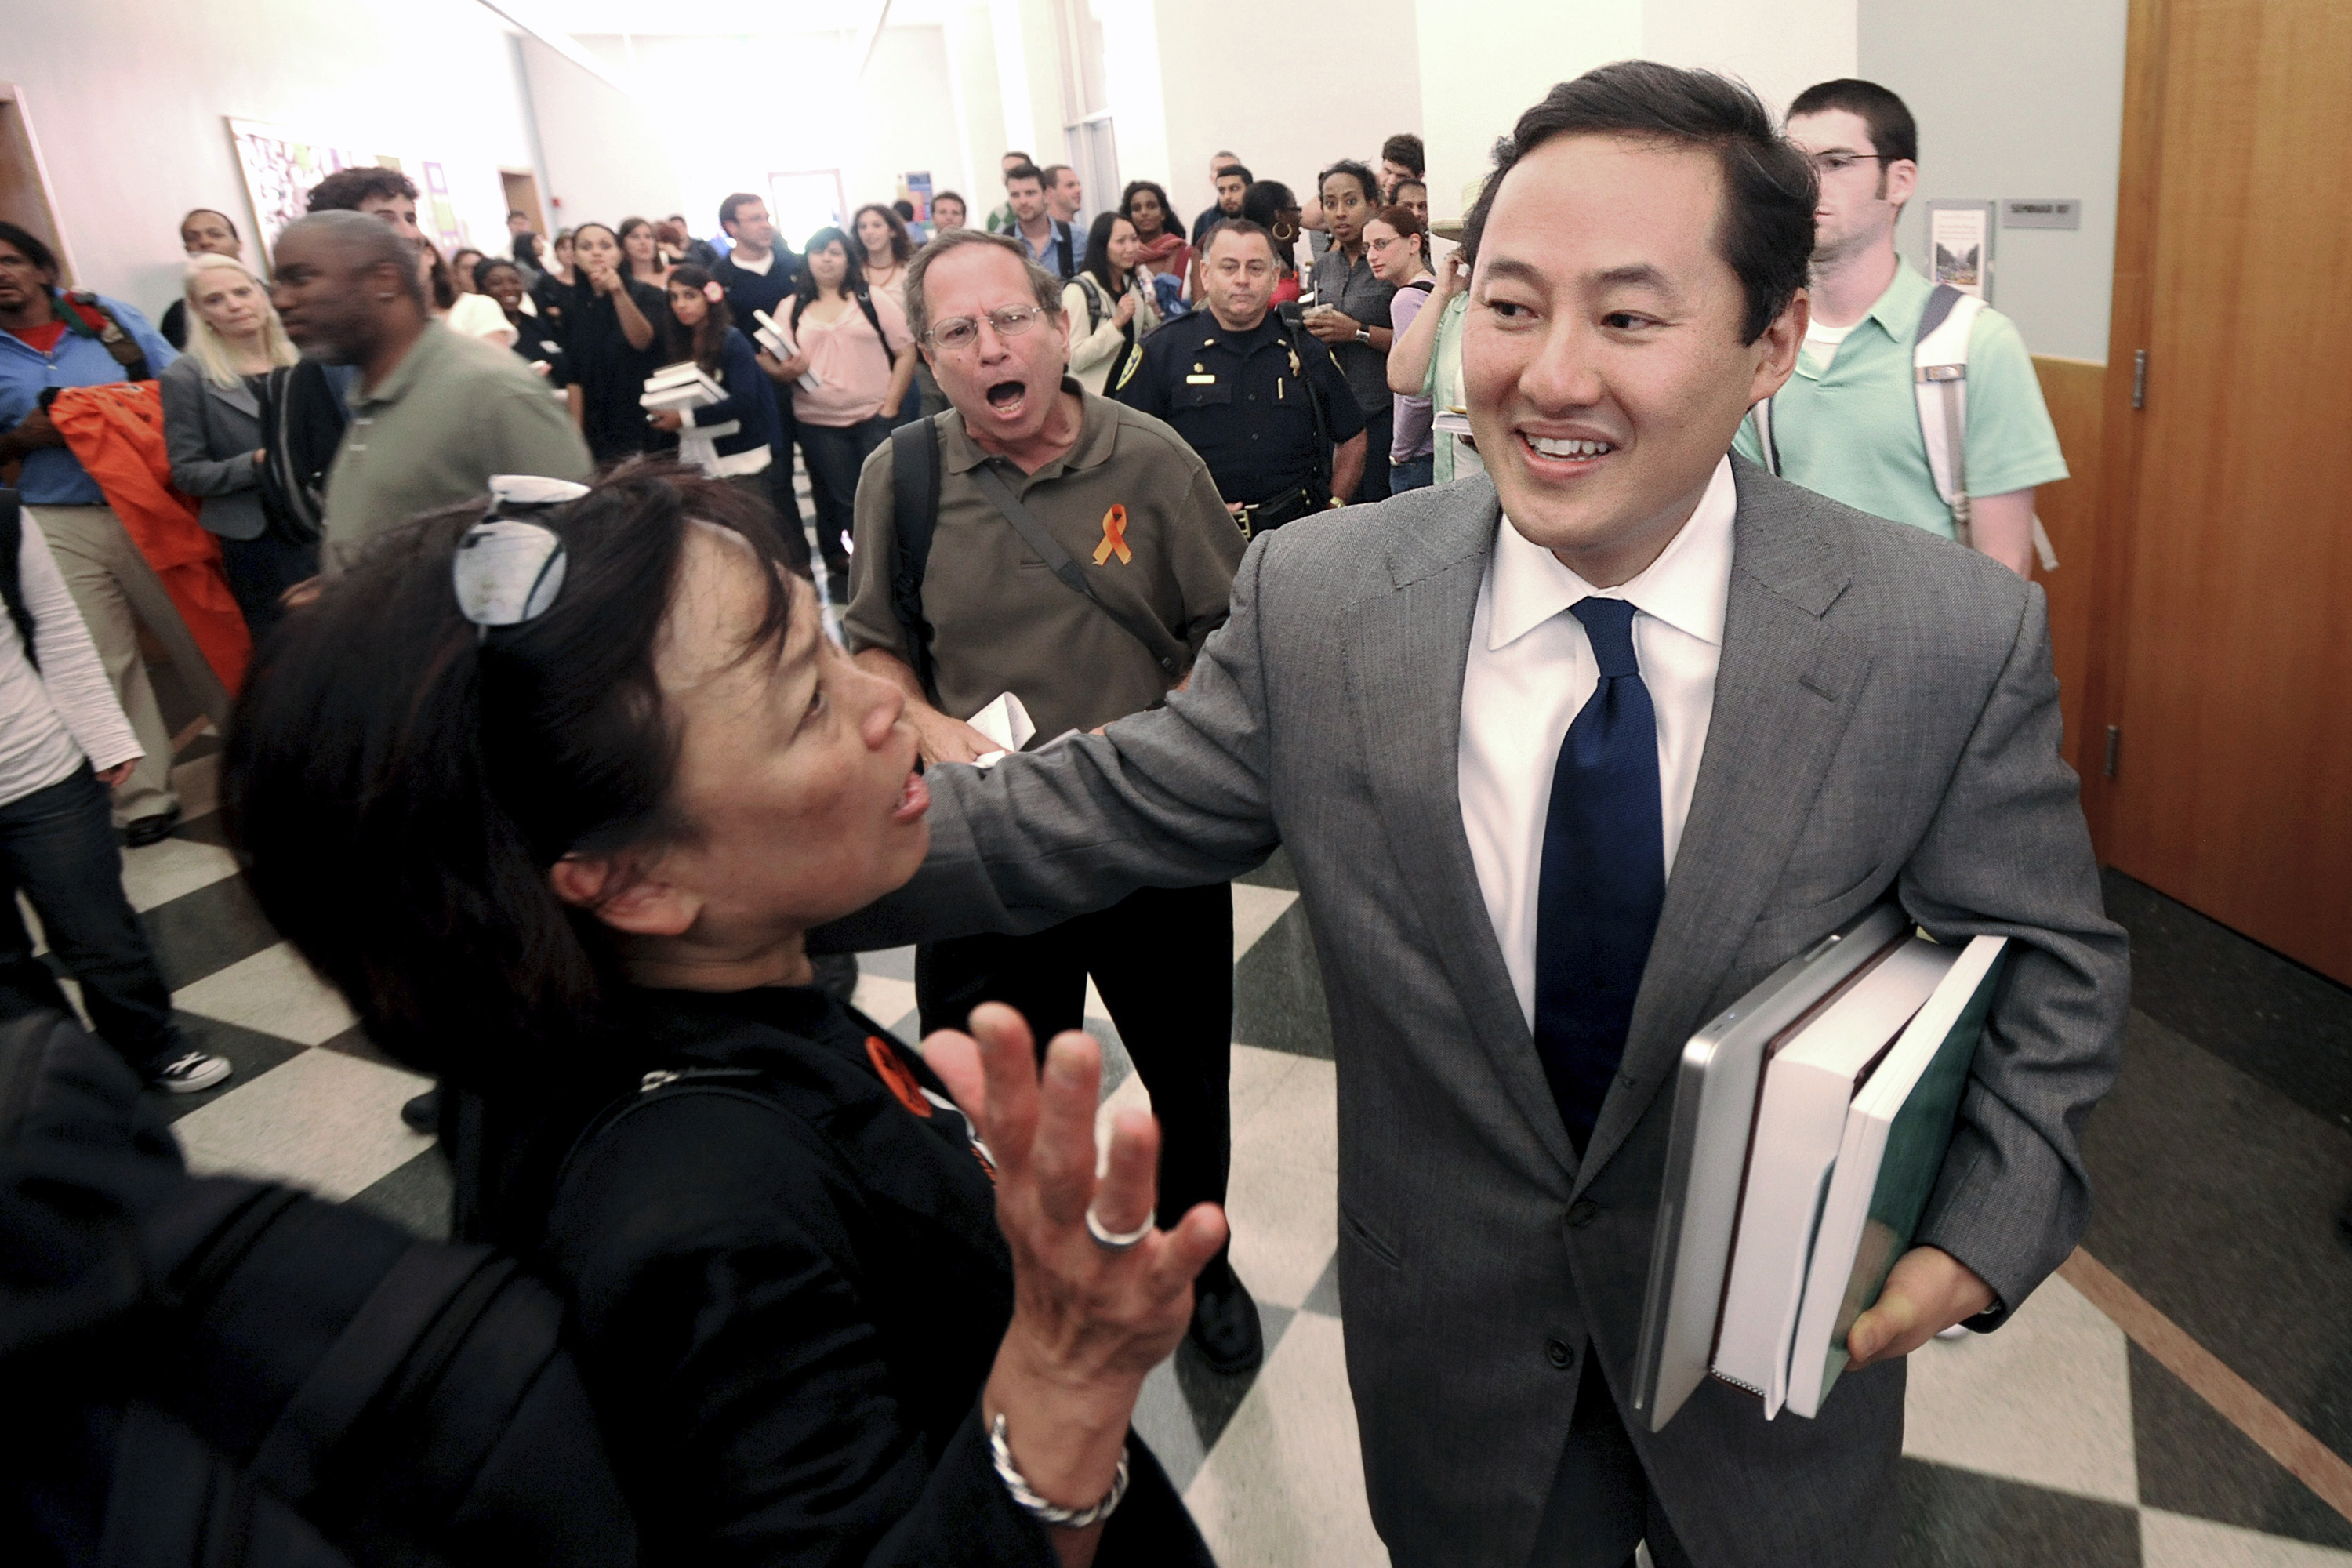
{"x":1111,"y":1243}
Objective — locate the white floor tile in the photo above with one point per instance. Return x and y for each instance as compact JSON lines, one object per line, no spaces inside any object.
{"x":883,"y":999}
{"x":2173,"y":1541}
{"x":2046,"y":1400}
{"x":275,"y":992}
{"x":1256,"y":909}
{"x":162,"y":871}
{"x":325,"y":1120}
{"x":1298,"y":1122}
{"x":1285,"y":1487}
{"x":1286,"y":1220}
{"x":1258,"y":1076}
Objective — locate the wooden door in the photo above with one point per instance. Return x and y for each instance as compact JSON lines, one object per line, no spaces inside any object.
{"x":522,"y":195}
{"x":2231,"y":637}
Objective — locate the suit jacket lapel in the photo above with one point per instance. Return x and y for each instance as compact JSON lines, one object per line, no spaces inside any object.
{"x":239,"y":397}
{"x":1407,"y":653}
{"x":1784,"y":692}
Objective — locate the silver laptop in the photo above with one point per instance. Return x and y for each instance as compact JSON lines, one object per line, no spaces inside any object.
{"x":1706,"y":1155}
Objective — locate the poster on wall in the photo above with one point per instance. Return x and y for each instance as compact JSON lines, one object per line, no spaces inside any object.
{"x":279,"y":167}
{"x":439,"y":218}
{"x":915,"y":190}
{"x":1959,"y":247}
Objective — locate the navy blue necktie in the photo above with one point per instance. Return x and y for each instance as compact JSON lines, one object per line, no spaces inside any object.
{"x":1603,"y":877}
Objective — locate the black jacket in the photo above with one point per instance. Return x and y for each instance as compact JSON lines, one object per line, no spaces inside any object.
{"x":790,"y":1288}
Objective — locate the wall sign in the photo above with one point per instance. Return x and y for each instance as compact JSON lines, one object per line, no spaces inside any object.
{"x":1959,"y":247}
{"x":2041,"y":212}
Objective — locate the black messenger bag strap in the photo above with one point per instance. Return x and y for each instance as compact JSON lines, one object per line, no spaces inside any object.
{"x":915,"y":490}
{"x":1172,"y":657}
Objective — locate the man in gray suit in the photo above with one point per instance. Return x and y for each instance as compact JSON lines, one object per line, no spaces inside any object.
{"x":1566,"y":761}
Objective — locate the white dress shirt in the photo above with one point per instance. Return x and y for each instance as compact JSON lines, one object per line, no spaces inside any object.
{"x":1531,"y":669}
{"x":53,"y":717}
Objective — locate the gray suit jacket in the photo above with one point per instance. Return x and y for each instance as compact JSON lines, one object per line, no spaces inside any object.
{"x":1886,"y":722}
{"x":211,"y":434}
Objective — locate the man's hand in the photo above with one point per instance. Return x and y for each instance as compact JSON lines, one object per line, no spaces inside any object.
{"x":1928,"y":1292}
{"x":112,"y":777}
{"x":35,"y":431}
{"x":945,"y":740}
{"x":666,"y":419}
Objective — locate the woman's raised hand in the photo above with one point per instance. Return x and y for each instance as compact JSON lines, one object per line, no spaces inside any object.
{"x":1089,"y":1322}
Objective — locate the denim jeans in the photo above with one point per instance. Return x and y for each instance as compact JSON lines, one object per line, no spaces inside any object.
{"x":834,"y":454}
{"x":1416,"y":474}
{"x":1378,"y":428}
{"x":58,"y":846}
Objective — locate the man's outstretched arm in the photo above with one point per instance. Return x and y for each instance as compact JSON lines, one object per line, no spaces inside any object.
{"x":1175,"y":797}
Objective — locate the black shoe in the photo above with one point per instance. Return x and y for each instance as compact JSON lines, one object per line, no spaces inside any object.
{"x":422,"y":1114}
{"x":1225,"y":1322}
{"x":142,"y":831}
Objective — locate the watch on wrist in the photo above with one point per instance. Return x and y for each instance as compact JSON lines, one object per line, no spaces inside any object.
{"x":1363,"y":334}
{"x":1051,"y":1515}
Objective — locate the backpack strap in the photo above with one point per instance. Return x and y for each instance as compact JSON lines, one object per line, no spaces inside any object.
{"x":914,"y":492}
{"x":1095,"y":305}
{"x":873,"y":320}
{"x":91,"y":317}
{"x":11,"y":580}
{"x":1062,"y":244}
{"x":1760,"y":416}
{"x":1939,"y":362}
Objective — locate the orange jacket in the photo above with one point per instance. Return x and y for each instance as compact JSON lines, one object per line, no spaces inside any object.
{"x":117,"y":431}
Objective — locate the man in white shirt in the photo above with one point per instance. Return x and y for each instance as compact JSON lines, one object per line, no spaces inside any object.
{"x":1566,"y":760}
{"x":63,"y":744}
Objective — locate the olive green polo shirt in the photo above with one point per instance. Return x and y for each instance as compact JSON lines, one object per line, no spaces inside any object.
{"x":453,"y":412}
{"x":1001,"y":621}
{"x":1849,"y":429}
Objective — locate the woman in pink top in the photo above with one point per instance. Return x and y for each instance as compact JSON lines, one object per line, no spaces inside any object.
{"x":855,"y":343}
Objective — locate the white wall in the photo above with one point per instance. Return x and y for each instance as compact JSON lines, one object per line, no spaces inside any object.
{"x":1236,"y":74}
{"x":2025,"y":99}
{"x":1483,"y":66}
{"x":1779,"y":49}
{"x":610,"y":155}
{"x":128,"y":100}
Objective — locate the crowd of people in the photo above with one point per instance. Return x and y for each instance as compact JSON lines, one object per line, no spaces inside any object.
{"x":534,"y":662}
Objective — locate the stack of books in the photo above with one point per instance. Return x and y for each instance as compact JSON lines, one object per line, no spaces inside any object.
{"x":1810,"y":1125}
{"x":683,"y":386}
{"x":779,"y":342}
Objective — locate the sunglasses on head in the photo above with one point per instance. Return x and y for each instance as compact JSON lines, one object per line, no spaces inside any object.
{"x":508,"y":570}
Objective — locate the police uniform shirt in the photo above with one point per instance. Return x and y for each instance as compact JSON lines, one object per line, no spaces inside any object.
{"x":1132,"y":507}
{"x":1239,"y":399}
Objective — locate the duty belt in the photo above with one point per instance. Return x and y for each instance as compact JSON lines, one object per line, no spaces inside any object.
{"x":1287,"y":507}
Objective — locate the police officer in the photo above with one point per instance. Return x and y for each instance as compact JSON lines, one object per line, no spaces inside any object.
{"x":1257,"y":398}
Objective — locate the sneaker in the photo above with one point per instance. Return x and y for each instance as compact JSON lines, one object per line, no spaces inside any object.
{"x":146,"y":830}
{"x":194,"y":1073}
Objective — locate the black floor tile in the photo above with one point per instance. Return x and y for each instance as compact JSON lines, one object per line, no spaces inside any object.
{"x":2192,"y":1461}
{"x":1278,"y":991}
{"x":2268,"y":1015}
{"x":1324,"y":1297}
{"x":1211,"y":1397}
{"x":251,"y":1052}
{"x":1957,"y":1518}
{"x":202,"y":746}
{"x":205,"y":932}
{"x":353,"y":1042}
{"x":416,"y":1196}
{"x":1275,"y":873}
{"x":2216,"y":1198}
{"x":205,"y":829}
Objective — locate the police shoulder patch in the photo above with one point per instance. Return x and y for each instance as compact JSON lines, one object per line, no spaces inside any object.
{"x":1126,"y":370}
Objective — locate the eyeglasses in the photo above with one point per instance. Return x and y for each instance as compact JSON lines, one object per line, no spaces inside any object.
{"x":962,"y":331}
{"x":1839,"y":162}
{"x":508,"y":571}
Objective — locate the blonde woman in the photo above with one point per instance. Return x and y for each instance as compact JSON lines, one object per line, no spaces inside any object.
{"x":215,"y":401}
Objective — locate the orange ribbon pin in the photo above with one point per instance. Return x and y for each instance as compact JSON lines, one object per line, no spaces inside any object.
{"x":1113,"y":539}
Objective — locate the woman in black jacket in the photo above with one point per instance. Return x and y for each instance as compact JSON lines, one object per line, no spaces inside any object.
{"x":702,"y":328}
{"x":613,"y":342}
{"x":601,"y":769}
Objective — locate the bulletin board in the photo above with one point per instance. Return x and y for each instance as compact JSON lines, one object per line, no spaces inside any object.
{"x":280,"y":165}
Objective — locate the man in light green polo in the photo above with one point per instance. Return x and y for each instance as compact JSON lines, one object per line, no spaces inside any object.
{"x":1847,"y":424}
{"x":433,"y":414}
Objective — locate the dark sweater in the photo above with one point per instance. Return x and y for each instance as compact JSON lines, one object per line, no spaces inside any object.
{"x":787,"y":1315}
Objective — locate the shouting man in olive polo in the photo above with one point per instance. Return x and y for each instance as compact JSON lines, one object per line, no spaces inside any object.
{"x":1037,"y":540}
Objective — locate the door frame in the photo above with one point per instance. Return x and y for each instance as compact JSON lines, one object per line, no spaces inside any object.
{"x":2130,"y":325}
{"x":18,"y":120}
